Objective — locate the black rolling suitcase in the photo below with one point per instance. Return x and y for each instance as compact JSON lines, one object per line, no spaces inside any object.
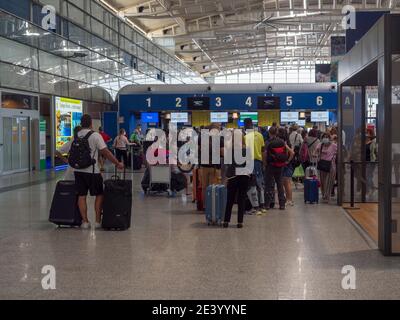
{"x":64,"y":209}
{"x":117,"y":206}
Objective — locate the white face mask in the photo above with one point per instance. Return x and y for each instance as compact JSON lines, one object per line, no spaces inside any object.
{"x":325,"y":140}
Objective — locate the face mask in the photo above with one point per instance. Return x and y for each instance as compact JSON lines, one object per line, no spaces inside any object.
{"x":325,"y":140}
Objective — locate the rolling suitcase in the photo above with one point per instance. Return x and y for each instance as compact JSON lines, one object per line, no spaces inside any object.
{"x":216,"y":196}
{"x":64,"y":209}
{"x":311,"y":192}
{"x":117,"y":206}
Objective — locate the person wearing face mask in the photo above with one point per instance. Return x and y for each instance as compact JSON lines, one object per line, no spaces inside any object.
{"x":326,"y":151}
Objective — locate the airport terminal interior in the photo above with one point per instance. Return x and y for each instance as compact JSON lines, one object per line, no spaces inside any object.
{"x":122,"y":128}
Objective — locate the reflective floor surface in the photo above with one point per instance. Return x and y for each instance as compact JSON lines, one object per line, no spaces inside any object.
{"x":170,"y":253}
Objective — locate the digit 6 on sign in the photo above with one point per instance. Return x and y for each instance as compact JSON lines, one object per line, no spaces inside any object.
{"x":319,"y":101}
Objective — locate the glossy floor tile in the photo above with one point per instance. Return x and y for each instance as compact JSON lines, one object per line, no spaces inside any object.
{"x":170,"y":253}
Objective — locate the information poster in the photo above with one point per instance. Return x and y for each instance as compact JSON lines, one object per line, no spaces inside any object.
{"x":68,"y":116}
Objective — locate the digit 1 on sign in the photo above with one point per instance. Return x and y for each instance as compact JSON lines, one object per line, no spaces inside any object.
{"x":249,"y":102}
{"x":289,"y":101}
{"x":218,"y":101}
{"x":148,"y":102}
{"x":319,"y":101}
{"x":178,"y":102}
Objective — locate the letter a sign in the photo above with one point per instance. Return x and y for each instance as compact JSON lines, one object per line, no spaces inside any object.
{"x":49,"y":20}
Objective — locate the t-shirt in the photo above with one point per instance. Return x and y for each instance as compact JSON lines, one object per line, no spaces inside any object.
{"x":295,"y":139}
{"x":256,"y":148}
{"x":105,"y":136}
{"x":328,"y":151}
{"x":121,"y":142}
{"x":271,"y":144}
{"x":96,"y":143}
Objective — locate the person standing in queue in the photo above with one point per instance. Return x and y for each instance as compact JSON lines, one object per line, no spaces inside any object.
{"x":209,"y":172}
{"x":90,"y":178}
{"x":287,"y":171}
{"x":326,"y":152}
{"x":120,"y":145}
{"x":278,"y":155}
{"x":237,"y":185}
{"x":255,"y":141}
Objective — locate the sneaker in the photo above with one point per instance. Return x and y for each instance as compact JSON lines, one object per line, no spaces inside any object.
{"x":85,"y":225}
{"x":259,"y":212}
{"x":97,"y":225}
{"x":290,"y":203}
{"x":250,"y":212}
{"x":264,"y":210}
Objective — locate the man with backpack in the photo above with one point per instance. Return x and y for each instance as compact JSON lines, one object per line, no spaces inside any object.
{"x":278,"y":155}
{"x":83,"y":151}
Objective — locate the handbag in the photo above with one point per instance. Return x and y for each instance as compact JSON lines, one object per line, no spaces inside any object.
{"x":323,"y":165}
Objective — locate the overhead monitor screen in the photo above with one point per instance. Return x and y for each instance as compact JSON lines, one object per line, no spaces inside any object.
{"x":149,"y":117}
{"x":198,"y":103}
{"x":179,"y":117}
{"x":219,"y":117}
{"x":268,"y":102}
{"x":289,"y":116}
{"x":319,"y":116}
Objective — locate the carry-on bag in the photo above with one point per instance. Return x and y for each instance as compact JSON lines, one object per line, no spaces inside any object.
{"x":311,"y":192}
{"x":117,"y":205}
{"x":64,"y":209}
{"x":216,"y":197}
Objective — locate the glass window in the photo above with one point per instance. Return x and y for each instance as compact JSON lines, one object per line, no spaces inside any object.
{"x":18,"y":77}
{"x":52,"y":84}
{"x":18,"y":54}
{"x":79,"y":72}
{"x":78,"y":16}
{"x":52,"y":64}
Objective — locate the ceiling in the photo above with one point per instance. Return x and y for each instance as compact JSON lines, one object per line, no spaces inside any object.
{"x":218,"y":36}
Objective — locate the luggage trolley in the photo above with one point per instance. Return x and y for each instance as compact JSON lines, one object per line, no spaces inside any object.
{"x":160,"y":174}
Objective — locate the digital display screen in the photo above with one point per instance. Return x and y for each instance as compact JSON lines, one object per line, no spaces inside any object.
{"x":219,"y":116}
{"x":301,"y":123}
{"x":68,"y":116}
{"x":149,"y":117}
{"x":319,"y":116}
{"x":244,"y":115}
{"x":290,"y":116}
{"x":268,"y":102}
{"x":179,"y":117}
{"x":198,"y":103}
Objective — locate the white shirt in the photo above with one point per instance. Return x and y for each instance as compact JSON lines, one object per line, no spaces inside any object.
{"x":96,"y":143}
{"x":295,"y":139}
{"x":121,"y":142}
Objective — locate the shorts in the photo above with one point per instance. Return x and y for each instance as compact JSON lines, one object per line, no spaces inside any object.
{"x":85,"y":182}
{"x":287,"y":172}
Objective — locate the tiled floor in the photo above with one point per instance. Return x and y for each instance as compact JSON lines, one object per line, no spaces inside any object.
{"x":170,"y":253}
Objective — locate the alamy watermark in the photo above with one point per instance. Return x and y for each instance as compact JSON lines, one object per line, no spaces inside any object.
{"x":227,"y":147}
{"x":49,"y":280}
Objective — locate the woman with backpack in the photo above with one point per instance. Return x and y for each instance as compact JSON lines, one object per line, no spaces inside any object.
{"x":326,"y":165}
{"x":288,"y":169}
{"x":308,"y":148}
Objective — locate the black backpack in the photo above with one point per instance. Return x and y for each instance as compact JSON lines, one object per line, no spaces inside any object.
{"x":79,"y":156}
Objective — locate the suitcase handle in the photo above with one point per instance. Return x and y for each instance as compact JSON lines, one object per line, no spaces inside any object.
{"x":116,"y":175}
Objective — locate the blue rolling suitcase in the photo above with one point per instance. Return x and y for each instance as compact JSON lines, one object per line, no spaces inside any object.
{"x":311,"y":192}
{"x":216,"y":197}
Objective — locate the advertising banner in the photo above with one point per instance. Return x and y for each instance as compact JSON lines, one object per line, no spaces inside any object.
{"x":68,"y":116}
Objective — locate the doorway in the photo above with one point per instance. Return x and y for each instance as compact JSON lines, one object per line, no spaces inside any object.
{"x":16,"y":148}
